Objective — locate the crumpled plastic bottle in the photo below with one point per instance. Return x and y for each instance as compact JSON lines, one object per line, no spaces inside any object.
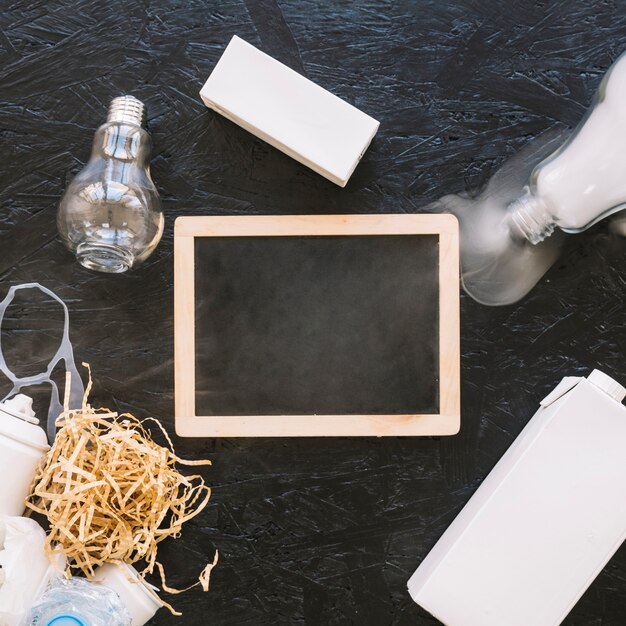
{"x":77,"y":602}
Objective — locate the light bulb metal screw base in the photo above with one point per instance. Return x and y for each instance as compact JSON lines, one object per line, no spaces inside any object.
{"x":103,"y":257}
{"x":127,"y":110}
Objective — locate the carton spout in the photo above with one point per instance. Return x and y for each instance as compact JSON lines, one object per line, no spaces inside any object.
{"x":609,"y":385}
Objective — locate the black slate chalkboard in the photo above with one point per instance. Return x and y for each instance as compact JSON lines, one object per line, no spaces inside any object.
{"x":317,"y":318}
{"x":317,"y":325}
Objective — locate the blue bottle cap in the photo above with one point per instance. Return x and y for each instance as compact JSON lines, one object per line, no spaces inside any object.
{"x":66,"y":620}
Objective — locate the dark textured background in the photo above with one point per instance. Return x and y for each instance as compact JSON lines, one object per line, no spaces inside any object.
{"x":313,"y":531}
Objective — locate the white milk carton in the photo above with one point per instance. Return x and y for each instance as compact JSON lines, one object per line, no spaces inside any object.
{"x":544,"y":522}
{"x":288,"y":111}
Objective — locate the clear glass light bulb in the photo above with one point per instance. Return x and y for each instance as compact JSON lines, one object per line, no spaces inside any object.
{"x":584,"y":181}
{"x":110,"y":216}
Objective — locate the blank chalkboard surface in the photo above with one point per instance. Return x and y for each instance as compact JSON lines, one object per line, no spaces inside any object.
{"x":317,"y":325}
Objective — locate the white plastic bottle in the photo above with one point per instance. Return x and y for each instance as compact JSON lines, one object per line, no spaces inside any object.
{"x":139,"y":597}
{"x":584,"y":181}
{"x":22,"y":446}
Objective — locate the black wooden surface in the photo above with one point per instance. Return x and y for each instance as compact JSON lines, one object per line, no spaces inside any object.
{"x":317,"y":325}
{"x":313,"y":531}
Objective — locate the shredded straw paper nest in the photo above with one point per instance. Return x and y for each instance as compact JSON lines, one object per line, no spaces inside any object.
{"x":111,"y":494}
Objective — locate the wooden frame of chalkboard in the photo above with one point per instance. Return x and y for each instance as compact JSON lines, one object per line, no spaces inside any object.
{"x":444,"y":420}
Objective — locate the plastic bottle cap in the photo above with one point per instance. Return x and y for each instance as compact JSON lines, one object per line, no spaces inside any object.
{"x":20,"y":406}
{"x":18,"y":421}
{"x":66,"y":620}
{"x":607,"y":384}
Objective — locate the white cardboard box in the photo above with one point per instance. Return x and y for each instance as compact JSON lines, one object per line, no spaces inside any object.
{"x":287,"y":110}
{"x":544,"y":522}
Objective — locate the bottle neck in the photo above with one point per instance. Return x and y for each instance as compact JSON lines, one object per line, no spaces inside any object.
{"x":530,"y":219}
{"x":122,"y":137}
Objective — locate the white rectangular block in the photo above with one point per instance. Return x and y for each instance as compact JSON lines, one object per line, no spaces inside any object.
{"x":544,"y":522}
{"x":287,"y":110}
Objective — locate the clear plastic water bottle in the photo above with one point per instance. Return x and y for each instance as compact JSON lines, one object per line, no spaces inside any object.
{"x":77,"y":602}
